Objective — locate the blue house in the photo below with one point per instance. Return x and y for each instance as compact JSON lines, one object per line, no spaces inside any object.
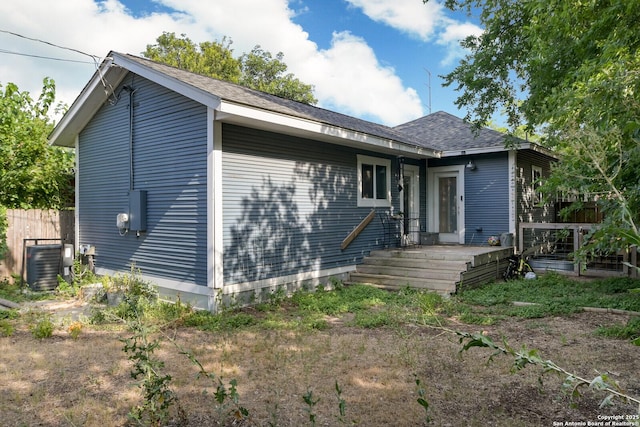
{"x":478,"y":186}
{"x":216,"y":191}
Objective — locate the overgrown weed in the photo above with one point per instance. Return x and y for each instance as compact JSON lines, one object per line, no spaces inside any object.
{"x":556,"y":295}
{"x":628,"y":331}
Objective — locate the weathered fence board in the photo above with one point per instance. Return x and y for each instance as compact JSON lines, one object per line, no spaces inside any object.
{"x":34,"y":224}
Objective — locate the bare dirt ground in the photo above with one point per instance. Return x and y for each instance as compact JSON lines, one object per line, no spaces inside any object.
{"x":60,"y":381}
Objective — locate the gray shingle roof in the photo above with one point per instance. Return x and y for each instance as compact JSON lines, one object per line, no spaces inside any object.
{"x":446,"y":132}
{"x":256,"y":99}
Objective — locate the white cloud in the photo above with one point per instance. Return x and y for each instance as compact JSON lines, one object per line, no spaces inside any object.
{"x":347,"y":76}
{"x":79,"y":24}
{"x":411,"y":16}
{"x":424,"y":21}
{"x":454,"y":32}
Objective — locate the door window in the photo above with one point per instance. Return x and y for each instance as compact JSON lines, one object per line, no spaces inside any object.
{"x":448,"y":212}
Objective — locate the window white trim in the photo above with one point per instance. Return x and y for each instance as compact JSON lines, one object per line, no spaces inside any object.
{"x":536,"y":176}
{"x":385,"y":201}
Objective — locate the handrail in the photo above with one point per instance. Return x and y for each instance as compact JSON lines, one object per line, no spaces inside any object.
{"x":354,"y":233}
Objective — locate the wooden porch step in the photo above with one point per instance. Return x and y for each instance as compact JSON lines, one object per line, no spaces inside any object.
{"x":443,"y":269}
{"x":440,"y":255}
{"x":422,"y":263}
{"x":473,"y":255}
{"x":444,"y":287}
{"x":451,"y":275}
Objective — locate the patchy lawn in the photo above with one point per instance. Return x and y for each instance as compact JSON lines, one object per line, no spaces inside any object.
{"x":373,"y":344}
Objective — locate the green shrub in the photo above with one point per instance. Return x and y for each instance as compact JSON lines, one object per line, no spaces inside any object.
{"x":9,"y":314}
{"x":43,"y":328}
{"x":227,"y":320}
{"x":6,"y":328}
{"x":67,"y":289}
{"x":374,"y":319}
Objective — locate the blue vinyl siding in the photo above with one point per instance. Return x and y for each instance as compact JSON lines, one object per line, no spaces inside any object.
{"x":486,"y":195}
{"x":169,"y":162}
{"x":487,"y":198}
{"x":288,"y":205}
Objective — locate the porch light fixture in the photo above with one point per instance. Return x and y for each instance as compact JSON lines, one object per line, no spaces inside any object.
{"x":471,"y":165}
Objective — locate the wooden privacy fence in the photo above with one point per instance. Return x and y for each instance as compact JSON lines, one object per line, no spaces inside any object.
{"x":34,"y":224}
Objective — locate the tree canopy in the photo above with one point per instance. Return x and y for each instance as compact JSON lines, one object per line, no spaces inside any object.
{"x":572,"y":71}
{"x":33,"y":174}
{"x":257,"y":69}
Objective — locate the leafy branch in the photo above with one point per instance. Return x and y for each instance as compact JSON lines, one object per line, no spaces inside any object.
{"x":524,"y":357}
{"x":157,"y":394}
{"x":227,"y":397}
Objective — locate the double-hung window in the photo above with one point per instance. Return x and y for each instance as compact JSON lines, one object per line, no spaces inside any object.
{"x":374,"y":182}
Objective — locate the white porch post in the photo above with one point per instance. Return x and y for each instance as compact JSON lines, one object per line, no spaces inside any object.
{"x":512,"y":194}
{"x":215,"y":279}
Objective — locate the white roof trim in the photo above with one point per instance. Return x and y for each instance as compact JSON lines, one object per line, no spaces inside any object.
{"x":171,"y":83}
{"x":102,"y":84}
{"x":114,"y":69}
{"x":87,"y":103}
{"x":498,"y":149}
{"x":230,"y":112}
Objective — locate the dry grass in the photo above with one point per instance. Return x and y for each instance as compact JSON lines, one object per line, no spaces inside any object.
{"x":86,"y":382}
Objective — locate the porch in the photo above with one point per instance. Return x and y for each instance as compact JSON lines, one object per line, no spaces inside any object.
{"x":445,"y":269}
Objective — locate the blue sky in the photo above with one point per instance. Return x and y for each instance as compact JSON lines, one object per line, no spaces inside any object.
{"x":365,"y":58}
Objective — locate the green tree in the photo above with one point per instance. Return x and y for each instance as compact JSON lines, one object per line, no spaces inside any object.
{"x":213,"y":59}
{"x":33,"y":174}
{"x":257,"y":69}
{"x":572,"y":70}
{"x":263,"y":72}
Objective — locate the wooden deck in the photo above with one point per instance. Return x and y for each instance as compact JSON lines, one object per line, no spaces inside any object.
{"x":445,"y":269}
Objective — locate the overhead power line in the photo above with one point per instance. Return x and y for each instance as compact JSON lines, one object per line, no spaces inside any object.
{"x":94,"y":57}
{"x":44,"y":57}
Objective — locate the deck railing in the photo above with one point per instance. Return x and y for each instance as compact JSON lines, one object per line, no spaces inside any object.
{"x":400,"y":231}
{"x":551,"y":246}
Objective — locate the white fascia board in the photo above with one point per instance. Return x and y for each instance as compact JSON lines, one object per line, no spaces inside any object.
{"x":498,"y":149}
{"x":171,"y":83}
{"x":474,"y":151}
{"x":277,"y":122}
{"x":104,"y":81}
{"x":542,"y":150}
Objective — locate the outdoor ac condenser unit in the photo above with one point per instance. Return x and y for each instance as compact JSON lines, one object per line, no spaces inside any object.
{"x":43,"y":266}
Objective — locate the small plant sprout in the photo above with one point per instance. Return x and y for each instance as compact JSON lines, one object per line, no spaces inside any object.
{"x":342,"y":404}
{"x":311,"y":403}
{"x":421,"y":399}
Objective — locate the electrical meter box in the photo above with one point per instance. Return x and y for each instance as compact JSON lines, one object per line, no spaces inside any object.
{"x":138,"y":210}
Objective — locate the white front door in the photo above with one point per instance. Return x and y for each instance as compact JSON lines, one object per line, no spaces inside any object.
{"x":446,"y":203}
{"x":410,"y":204}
